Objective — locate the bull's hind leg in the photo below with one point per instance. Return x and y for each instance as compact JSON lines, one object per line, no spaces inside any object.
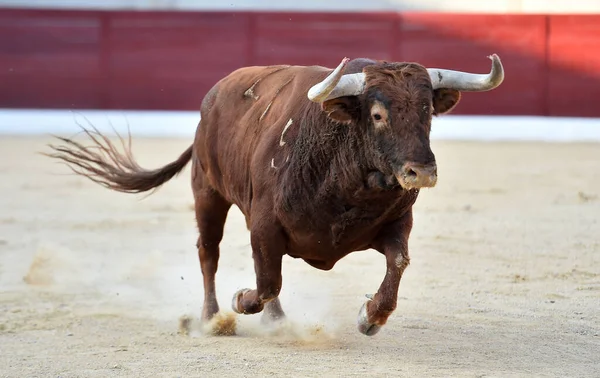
{"x":211,"y":213}
{"x":268,"y":248}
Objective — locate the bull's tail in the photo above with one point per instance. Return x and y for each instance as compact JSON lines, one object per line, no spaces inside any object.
{"x":105,"y":165}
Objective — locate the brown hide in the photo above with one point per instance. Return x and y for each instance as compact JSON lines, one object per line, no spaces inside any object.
{"x":316,"y":178}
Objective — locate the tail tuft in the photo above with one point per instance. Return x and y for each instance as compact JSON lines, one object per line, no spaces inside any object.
{"x":105,"y":165}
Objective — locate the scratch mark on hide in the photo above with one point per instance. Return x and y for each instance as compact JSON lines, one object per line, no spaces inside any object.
{"x":287,"y":125}
{"x":250,"y":91}
{"x":287,"y":158}
{"x":273,"y":99}
{"x":266,"y":110}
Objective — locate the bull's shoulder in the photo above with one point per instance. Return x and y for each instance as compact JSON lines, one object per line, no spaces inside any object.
{"x":255,"y":74}
{"x":252,"y":73}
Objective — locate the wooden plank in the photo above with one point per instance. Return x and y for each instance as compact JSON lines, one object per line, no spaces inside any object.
{"x":169,"y":60}
{"x":462,"y":42}
{"x":322,"y":38}
{"x":574,"y":61}
{"x":50,"y":59}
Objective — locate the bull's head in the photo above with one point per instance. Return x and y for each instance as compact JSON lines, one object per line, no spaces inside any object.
{"x":394,"y":103}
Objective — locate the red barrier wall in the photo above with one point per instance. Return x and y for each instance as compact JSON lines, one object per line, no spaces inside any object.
{"x":168,"y":60}
{"x":574,"y":65}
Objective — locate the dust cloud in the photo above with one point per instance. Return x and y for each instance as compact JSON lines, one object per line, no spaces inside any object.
{"x":158,"y":286}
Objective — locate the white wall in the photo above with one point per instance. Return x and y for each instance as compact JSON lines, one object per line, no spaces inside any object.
{"x":489,"y":6}
{"x":183,"y":124}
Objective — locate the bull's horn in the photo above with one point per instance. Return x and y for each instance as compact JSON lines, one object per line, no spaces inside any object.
{"x":337,"y":85}
{"x":468,"y":82}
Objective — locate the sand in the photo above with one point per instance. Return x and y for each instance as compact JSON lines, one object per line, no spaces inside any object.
{"x":504,"y":279}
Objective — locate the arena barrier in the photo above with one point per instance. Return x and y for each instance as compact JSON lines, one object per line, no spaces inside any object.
{"x":156,"y":60}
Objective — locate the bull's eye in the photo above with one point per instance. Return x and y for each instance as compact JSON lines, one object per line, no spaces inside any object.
{"x":379,"y":115}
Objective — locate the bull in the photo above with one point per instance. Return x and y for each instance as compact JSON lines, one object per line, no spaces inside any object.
{"x":321,"y":163}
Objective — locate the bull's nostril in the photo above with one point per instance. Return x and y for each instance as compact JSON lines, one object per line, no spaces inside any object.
{"x":415,"y":175}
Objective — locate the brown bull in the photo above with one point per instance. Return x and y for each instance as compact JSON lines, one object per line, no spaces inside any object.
{"x":321,"y":162}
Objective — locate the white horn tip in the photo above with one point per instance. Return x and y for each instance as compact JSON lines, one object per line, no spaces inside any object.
{"x":320,"y":91}
{"x":497,"y":74}
{"x":341,"y":67}
{"x":494,"y":57}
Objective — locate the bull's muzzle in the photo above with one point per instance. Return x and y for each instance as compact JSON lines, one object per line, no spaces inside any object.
{"x":415,"y":175}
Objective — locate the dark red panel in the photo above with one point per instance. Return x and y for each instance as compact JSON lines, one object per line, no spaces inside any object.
{"x":50,"y":59}
{"x":462,"y":42}
{"x":48,"y":91}
{"x":322,"y":38}
{"x":574,"y":58}
{"x":170,"y":60}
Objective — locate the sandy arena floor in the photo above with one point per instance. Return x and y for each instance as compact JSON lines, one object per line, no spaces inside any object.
{"x":504,"y":279}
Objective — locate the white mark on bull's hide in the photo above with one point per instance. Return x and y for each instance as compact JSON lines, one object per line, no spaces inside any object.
{"x":250,"y":91}
{"x":287,"y":158}
{"x":287,"y":125}
{"x":401,"y":262}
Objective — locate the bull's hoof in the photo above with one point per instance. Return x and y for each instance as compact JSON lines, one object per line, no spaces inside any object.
{"x":235,"y":302}
{"x":364,"y":326}
{"x":268,"y":318}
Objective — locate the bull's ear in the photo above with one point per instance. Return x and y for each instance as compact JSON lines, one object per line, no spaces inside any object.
{"x":344,"y":110}
{"x":444,"y":100}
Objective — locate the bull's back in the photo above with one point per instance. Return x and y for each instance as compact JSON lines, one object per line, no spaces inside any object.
{"x":242,"y":118}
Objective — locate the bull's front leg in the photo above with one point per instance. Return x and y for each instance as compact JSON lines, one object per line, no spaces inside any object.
{"x":268,"y":248}
{"x":393,"y":243}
